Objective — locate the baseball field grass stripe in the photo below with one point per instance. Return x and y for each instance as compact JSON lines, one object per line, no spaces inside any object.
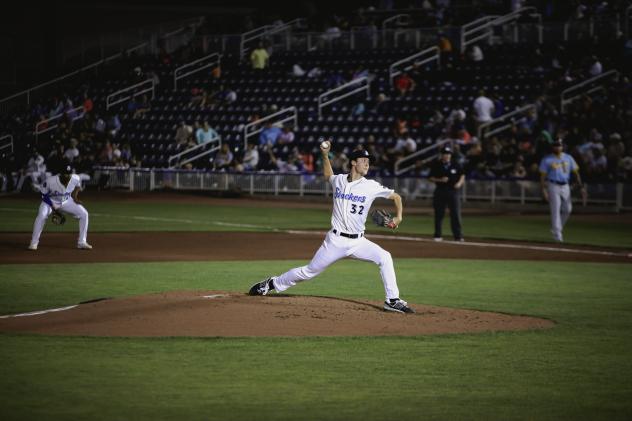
{"x":613,"y":231}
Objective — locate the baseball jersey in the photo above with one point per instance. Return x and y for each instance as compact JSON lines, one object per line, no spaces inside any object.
{"x":56,"y":192}
{"x":558,"y":170}
{"x":352,"y":201}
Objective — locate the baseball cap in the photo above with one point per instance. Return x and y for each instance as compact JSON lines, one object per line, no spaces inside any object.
{"x":558,"y":142}
{"x":446,"y":149}
{"x":360,"y":153}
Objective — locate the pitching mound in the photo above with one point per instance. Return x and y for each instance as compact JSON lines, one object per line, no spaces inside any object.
{"x":218,"y":313}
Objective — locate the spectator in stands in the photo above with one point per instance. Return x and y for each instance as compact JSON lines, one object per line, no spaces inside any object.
{"x":400,"y":128}
{"x":200,"y":98}
{"x":340,"y":162}
{"x":183,"y":134}
{"x":499,"y":105}
{"x":298,"y":71}
{"x":143,"y":107}
{"x":595,"y":68}
{"x":404,"y":84}
{"x":445,"y":46}
{"x":292,"y":164}
{"x":106,"y":154}
{"x":269,"y":134}
{"x":88,"y":105}
{"x":334,"y":80}
{"x":286,"y":136}
{"x":251,"y":158}
{"x":71,"y":152}
{"x":331,"y":33}
{"x":114,"y":124}
{"x":475,"y":54}
{"x":223,"y":159}
{"x":405,"y":146}
{"x":205,"y":133}
{"x":379,"y":105}
{"x":259,"y":57}
{"x":357,"y":109}
{"x":308,"y":160}
{"x":483,"y":108}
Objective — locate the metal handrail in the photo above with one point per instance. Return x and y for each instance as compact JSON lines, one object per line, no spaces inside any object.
{"x":394,"y":73}
{"x":7,"y":144}
{"x":175,"y":157}
{"x":293,"y":117}
{"x":499,"y":119}
{"x":398,"y":19}
{"x":413,"y":156}
{"x":78,"y":111}
{"x":152,"y":88}
{"x":178,"y":73}
{"x":488,"y":22}
{"x":358,"y":81}
{"x":265,"y":30}
{"x":565,"y":101}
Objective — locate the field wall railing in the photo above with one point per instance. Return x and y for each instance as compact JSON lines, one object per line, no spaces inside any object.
{"x":615,"y":196}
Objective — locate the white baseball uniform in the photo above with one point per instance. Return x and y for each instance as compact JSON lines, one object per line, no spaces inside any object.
{"x":352,"y":201}
{"x":55,"y":194}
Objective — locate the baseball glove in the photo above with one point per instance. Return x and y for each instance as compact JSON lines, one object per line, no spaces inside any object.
{"x":58,"y":218}
{"x":382,"y":218}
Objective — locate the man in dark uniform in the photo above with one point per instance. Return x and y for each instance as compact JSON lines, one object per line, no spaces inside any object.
{"x":449,"y":178}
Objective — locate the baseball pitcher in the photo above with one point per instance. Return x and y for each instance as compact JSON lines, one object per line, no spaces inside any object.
{"x":352,"y":196}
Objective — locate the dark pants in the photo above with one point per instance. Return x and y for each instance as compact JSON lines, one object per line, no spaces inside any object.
{"x":440,"y":200}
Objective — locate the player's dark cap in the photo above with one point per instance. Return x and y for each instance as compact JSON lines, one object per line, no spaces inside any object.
{"x":67,"y":169}
{"x":558,"y":142}
{"x":360,"y":153}
{"x":446,"y":150}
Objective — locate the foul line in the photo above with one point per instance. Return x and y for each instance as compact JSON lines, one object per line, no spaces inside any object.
{"x":475,"y":244}
{"x":36,"y":313}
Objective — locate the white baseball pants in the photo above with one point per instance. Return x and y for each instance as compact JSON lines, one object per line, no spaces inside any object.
{"x":70,"y":207}
{"x":335,"y":248}
{"x":561,"y":207}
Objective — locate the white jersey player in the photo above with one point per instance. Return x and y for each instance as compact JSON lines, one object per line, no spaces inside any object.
{"x":352,"y":196}
{"x":60,"y":192}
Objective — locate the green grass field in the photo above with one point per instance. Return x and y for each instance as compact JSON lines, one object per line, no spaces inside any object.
{"x":121,"y":216}
{"x":579,"y":370}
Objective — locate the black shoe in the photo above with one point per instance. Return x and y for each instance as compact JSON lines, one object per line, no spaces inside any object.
{"x":398,"y":306}
{"x":262,"y":288}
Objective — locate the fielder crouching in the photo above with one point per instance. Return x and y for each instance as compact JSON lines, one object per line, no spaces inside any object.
{"x":60,"y":194}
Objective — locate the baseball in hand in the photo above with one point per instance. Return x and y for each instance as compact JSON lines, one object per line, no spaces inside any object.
{"x":325,"y":145}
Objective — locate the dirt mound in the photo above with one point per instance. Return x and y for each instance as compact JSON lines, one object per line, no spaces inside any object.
{"x":221,"y":313}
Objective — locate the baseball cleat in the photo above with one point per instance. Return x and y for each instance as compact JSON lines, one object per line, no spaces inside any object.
{"x":261,"y":288}
{"x":438,"y":239}
{"x":84,"y":246}
{"x":33,"y":247}
{"x":398,"y":306}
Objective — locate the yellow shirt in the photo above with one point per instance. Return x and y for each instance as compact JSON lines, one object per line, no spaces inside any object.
{"x":259,"y":58}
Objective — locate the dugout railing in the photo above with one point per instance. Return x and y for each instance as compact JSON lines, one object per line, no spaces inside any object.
{"x":614,"y":196}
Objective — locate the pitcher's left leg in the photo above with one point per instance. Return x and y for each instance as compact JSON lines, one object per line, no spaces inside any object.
{"x":369,"y":251}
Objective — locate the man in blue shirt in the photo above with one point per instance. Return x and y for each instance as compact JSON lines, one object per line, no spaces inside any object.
{"x":555,"y":176}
